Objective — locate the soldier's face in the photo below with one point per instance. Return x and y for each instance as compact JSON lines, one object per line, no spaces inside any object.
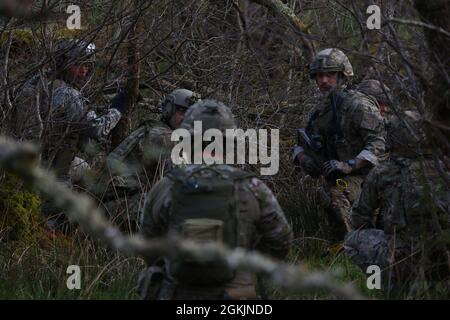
{"x":326,"y":80}
{"x":177,"y":118}
{"x":79,"y":72}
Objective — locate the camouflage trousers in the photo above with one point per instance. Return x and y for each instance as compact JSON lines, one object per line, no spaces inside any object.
{"x":367,"y":247}
{"x":342,"y":193}
{"x":401,"y":262}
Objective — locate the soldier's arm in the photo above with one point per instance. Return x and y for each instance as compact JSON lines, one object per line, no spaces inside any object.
{"x":276,"y":234}
{"x":371,"y":129}
{"x":155,"y":213}
{"x":362,"y":214}
{"x":156,"y":210}
{"x":100,"y":127}
{"x":88,"y":123}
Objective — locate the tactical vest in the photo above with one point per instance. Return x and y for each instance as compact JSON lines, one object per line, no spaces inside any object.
{"x":205,"y":209}
{"x":330,"y":131}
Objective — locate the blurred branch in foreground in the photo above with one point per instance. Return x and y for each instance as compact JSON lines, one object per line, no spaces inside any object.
{"x":22,"y":160}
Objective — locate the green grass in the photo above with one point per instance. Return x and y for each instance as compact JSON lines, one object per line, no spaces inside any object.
{"x":343,"y":270}
{"x":38,"y":271}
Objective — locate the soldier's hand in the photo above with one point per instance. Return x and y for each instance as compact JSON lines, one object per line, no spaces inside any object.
{"x":332,"y":166}
{"x":120,"y":102}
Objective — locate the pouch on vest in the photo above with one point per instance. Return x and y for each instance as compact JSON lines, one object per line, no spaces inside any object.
{"x":204,"y":209}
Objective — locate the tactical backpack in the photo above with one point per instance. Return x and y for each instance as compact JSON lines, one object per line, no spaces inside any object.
{"x":204,"y":209}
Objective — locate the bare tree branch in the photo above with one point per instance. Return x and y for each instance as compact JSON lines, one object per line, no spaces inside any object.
{"x":279,"y":8}
{"x":22,"y":159}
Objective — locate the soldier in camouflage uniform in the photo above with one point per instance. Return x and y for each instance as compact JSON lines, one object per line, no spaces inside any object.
{"x":210,"y":203}
{"x":345,"y":133}
{"x":379,"y":91}
{"x":60,"y":118}
{"x":414,"y":202}
{"x":141,"y":159}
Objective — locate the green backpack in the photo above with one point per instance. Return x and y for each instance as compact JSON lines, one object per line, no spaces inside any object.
{"x":204,"y":209}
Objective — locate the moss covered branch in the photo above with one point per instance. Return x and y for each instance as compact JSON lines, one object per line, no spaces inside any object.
{"x":22,"y":160}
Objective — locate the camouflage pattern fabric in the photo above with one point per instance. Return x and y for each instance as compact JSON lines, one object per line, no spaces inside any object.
{"x":362,"y":135}
{"x":262,"y":226}
{"x":63,"y":121}
{"x":375,"y":89}
{"x":367,"y":247}
{"x":414,"y":205}
{"x":361,"y":125}
{"x":343,"y":195}
{"x":141,"y":153}
{"x":331,"y":60}
{"x":133,"y":167}
{"x":66,"y":121}
{"x":213,"y":115}
{"x":78,"y":169}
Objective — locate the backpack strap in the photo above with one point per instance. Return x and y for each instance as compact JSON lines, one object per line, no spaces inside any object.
{"x":337,"y":99}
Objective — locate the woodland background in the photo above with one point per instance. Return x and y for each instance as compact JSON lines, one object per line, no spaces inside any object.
{"x":251,"y":54}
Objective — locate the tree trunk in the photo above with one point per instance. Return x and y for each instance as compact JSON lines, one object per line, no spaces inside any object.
{"x":121,"y":131}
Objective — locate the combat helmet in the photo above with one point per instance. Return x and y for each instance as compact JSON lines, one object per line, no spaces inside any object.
{"x":213,"y":115}
{"x":331,"y":60}
{"x":179,"y":98}
{"x":376,"y":89}
{"x":73,"y":50}
{"x":405,"y":135}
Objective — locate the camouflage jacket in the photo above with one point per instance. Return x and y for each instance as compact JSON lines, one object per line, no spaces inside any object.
{"x":356,"y":130}
{"x":59,"y":119}
{"x":138,"y":159}
{"x":411,"y":196}
{"x":262,"y":222}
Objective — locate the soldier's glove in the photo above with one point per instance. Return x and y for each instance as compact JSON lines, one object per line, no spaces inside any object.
{"x":120,"y":102}
{"x":334,"y":166}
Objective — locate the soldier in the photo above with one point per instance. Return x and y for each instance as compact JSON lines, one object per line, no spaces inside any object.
{"x":411,"y":192}
{"x":61,"y":119}
{"x":382,"y":94}
{"x":210,"y":203}
{"x":344,"y":136}
{"x":141,"y":159}
{"x":379,"y":91}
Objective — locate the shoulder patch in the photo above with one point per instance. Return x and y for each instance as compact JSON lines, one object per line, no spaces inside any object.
{"x":369,"y":121}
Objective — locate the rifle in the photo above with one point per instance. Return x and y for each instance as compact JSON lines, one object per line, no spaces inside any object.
{"x":312,"y":148}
